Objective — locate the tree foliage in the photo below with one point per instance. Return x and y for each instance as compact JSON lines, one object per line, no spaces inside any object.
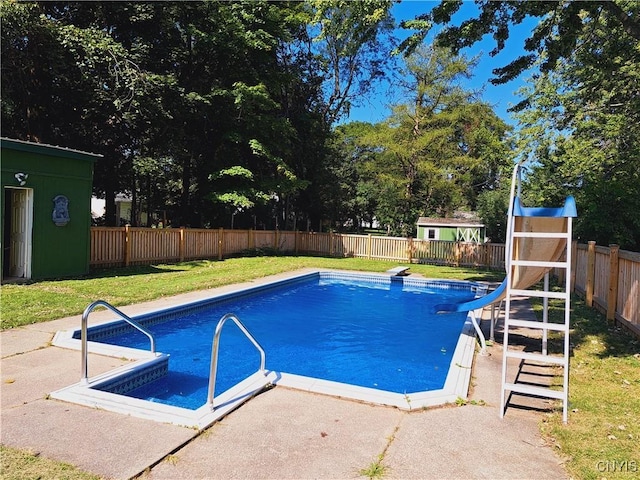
{"x":438,"y":151}
{"x":582,"y":129}
{"x":558,"y":34}
{"x":207,"y":112}
{"x":354,"y":46}
{"x":579,"y":119}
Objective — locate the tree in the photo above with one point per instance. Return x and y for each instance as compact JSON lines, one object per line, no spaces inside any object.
{"x":581,"y":128}
{"x":436,"y":153}
{"x":174,"y":95}
{"x":350,"y":192}
{"x":492,"y":209}
{"x":559,"y":33}
{"x":352,"y":48}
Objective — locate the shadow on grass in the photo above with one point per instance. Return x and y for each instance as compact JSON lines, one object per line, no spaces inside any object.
{"x":144,"y":269}
{"x":586,"y":323}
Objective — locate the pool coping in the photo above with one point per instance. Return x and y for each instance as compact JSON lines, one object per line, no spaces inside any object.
{"x":85,"y":393}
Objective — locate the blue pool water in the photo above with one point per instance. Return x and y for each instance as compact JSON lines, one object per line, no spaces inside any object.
{"x":369,"y":334}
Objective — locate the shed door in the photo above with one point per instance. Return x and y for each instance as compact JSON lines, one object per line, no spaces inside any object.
{"x":20,"y":232}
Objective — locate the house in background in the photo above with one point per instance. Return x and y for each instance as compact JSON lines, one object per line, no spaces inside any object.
{"x":123,"y":211}
{"x":467,"y":229}
{"x":46,"y":210}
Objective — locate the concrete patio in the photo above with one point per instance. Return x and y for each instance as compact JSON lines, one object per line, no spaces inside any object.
{"x":281,"y":433}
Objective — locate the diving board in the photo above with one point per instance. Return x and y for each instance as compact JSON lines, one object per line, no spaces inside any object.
{"x":399,"y":271}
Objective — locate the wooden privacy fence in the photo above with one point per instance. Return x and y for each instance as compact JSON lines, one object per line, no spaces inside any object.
{"x":609,"y":280}
{"x":123,"y":246}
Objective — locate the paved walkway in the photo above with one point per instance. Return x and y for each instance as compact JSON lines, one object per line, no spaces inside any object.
{"x":280,"y":434}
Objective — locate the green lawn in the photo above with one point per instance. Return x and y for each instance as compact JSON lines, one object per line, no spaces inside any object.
{"x":49,"y":300}
{"x":601,"y":439}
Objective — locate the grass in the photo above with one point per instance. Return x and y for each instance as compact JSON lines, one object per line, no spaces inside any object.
{"x":27,"y":465}
{"x":602,"y":436}
{"x":375,"y":470}
{"x":50,"y":300}
{"x":601,"y":439}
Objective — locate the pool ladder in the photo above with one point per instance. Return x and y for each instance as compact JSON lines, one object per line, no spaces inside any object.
{"x":214,"y":348}
{"x":214,"y":353}
{"x":83,"y":338}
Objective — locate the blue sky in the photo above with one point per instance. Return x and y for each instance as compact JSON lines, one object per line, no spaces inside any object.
{"x":501,"y":97}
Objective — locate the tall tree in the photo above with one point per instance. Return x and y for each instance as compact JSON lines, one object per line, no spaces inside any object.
{"x":175,"y":94}
{"x":354,"y":44}
{"x":439,"y":151}
{"x":581,"y":126}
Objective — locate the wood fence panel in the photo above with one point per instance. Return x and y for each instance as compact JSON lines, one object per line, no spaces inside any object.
{"x":355,"y":246}
{"x":390,"y":248}
{"x":263,"y":239}
{"x":149,"y":245}
{"x":107,"y":246}
{"x":495,"y":255}
{"x":234,"y":242}
{"x":200,"y":244}
{"x":287,"y":241}
{"x":601,"y":277}
{"x":580,"y":284}
{"x":312,"y":242}
{"x":437,"y":252}
{"x":628,"y":298}
{"x":469,"y":254}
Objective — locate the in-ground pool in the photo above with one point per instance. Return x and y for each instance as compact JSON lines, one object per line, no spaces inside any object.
{"x":370,"y":337}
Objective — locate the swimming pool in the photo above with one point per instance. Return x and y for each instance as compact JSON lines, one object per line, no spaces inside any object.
{"x":378,"y":342}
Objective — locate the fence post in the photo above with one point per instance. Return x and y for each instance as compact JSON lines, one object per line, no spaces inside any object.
{"x":182,"y":244}
{"x":127,"y":246}
{"x":295,"y":242}
{"x":410,"y":249}
{"x":458,"y":254}
{"x":220,"y":242}
{"x":612,"y":298}
{"x":251,"y":240}
{"x":331,"y":243}
{"x":369,"y":240}
{"x":591,"y":273}
{"x":275,"y":240}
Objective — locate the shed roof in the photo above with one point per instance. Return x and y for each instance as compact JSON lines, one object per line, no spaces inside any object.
{"x":45,"y":149}
{"x":450,"y":222}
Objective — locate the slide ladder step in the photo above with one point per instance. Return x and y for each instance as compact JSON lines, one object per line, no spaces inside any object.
{"x":542,"y":264}
{"x":536,"y":357}
{"x":540,"y":235}
{"x":534,"y":390}
{"x":539,"y":294}
{"x":557,"y":327}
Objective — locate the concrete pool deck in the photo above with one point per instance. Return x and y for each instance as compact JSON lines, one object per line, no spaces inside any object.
{"x":282,"y":433}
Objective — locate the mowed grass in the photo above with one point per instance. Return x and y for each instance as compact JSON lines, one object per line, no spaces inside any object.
{"x":49,"y":300}
{"x":602,"y":437}
{"x":600,"y":441}
{"x":27,"y":465}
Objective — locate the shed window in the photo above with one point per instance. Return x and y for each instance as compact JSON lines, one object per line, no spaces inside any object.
{"x":432,"y":233}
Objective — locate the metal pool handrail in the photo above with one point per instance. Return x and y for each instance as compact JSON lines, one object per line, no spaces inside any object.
{"x":83,"y":337}
{"x":214,"y":353}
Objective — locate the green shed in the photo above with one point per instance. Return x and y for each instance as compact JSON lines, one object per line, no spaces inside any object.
{"x":46,"y":210}
{"x":451,"y":229}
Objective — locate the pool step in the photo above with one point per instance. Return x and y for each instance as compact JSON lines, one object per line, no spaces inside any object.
{"x":135,"y":377}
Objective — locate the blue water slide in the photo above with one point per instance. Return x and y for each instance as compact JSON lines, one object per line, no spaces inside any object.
{"x":474,"y":304}
{"x":567,"y":210}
